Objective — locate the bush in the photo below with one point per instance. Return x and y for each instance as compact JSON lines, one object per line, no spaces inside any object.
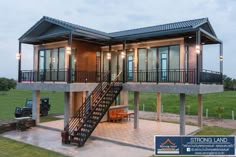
{"x":7,"y":84}
{"x":220,"y":111}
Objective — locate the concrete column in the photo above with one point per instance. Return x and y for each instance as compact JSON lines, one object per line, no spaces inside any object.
{"x":200,"y":110}
{"x":182,"y":113}
{"x":158,"y":107}
{"x":124,"y":97}
{"x":136,"y":110}
{"x":36,"y":106}
{"x":66,"y":107}
{"x":135,"y":63}
{"x":71,"y":104}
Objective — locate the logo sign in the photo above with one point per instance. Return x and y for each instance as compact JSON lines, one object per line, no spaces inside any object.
{"x":194,"y":145}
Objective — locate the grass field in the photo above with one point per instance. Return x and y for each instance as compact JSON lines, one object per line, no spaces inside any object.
{"x":11,"y":148}
{"x":10,"y":100}
{"x":170,"y":103}
{"x":227,"y":99}
{"x":214,"y":130}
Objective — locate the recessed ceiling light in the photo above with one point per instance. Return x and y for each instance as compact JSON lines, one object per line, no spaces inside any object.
{"x":190,"y":37}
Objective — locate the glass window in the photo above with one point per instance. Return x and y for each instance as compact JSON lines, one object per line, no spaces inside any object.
{"x":120,"y":63}
{"x":61,"y":59}
{"x":113,"y":65}
{"x":142,"y":60}
{"x":130,"y":66}
{"x":105,"y":62}
{"x":61,"y":64}
{"x":152,"y":56}
{"x":163,"y":62}
{"x":174,"y":57}
{"x":52,"y":64}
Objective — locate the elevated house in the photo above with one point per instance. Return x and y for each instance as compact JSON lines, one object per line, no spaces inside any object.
{"x":94,"y":68}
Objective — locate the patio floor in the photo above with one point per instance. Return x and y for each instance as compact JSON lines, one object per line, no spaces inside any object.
{"x":124,"y":132}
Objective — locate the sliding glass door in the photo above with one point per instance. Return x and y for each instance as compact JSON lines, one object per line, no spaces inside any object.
{"x":52,"y":64}
{"x":159,"y":64}
{"x":130,"y":66}
{"x":163,"y":60}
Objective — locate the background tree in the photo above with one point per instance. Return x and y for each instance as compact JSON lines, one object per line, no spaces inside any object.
{"x":229,"y":83}
{"x":7,"y":84}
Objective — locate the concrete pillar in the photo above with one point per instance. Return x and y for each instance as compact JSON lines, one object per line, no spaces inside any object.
{"x":66,"y":107}
{"x":200,"y":110}
{"x":36,"y":106}
{"x":158,"y":107}
{"x":71,"y":104}
{"x":124,"y":97}
{"x":182,"y":113}
{"x":79,"y":98}
{"x":135,"y":64}
{"x":136,"y":110}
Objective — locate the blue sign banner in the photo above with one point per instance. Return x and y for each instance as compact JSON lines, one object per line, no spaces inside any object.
{"x":195,"y":145}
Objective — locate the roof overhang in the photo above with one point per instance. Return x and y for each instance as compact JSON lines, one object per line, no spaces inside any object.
{"x":52,"y":30}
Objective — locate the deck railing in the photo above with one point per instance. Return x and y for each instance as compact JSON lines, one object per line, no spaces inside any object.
{"x":160,"y":76}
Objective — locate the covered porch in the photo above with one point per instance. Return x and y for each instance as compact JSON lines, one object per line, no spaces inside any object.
{"x":69,"y":53}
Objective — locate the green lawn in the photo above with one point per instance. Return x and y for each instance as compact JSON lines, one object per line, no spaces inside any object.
{"x":11,"y":148}
{"x":214,"y":130}
{"x":48,"y":119}
{"x":10,"y":100}
{"x":170,"y":103}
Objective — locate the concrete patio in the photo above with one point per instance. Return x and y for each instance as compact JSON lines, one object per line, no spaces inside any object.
{"x":124,"y":132}
{"x":110,"y":137}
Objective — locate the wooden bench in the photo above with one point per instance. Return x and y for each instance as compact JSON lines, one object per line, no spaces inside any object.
{"x":119,"y":114}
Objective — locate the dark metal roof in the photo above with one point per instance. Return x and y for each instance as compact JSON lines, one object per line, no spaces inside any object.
{"x":162,"y":28}
{"x":141,"y":33}
{"x":74,"y":27}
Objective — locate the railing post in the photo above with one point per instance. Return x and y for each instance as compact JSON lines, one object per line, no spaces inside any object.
{"x":70,"y":58}
{"x":123,"y":57}
{"x":198,"y":53}
{"x":221,"y":62}
{"x":109,"y":63}
{"x":19,"y":63}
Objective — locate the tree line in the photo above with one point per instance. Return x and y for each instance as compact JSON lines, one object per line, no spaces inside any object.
{"x":229,"y":83}
{"x":7,"y":84}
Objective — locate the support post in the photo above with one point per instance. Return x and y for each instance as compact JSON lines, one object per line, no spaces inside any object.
{"x":124,"y":97}
{"x":182,"y":113}
{"x":136,"y":110}
{"x":36,"y":106}
{"x":66,"y":108}
{"x":124,"y":66}
{"x":19,"y":63}
{"x":70,"y":59}
{"x":221,"y":61}
{"x":109,"y":64}
{"x":200,"y":111}
{"x":198,"y":53}
{"x":158,"y":107}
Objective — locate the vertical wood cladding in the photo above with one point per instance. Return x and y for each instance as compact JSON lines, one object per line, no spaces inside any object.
{"x":85,"y":56}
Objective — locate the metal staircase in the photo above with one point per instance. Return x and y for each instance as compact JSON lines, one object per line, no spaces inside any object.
{"x":85,"y":120}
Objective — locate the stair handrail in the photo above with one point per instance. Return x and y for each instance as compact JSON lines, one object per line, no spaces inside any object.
{"x":82,"y":110}
{"x":113,"y":82}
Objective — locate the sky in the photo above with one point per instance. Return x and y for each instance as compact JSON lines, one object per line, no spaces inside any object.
{"x":16,"y":17}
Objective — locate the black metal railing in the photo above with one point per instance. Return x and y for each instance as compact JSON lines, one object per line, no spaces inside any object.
{"x":163,"y":76}
{"x":160,"y":76}
{"x":86,"y":107}
{"x":61,"y":76}
{"x":211,"y":77}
